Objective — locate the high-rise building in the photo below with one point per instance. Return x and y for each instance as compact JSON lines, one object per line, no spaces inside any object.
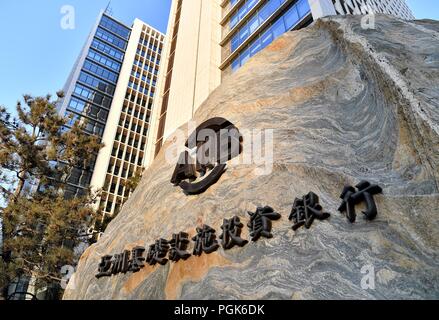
{"x":209,"y":40}
{"x":111,"y":90}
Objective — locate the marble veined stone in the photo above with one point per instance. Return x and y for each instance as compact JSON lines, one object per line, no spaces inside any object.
{"x":345,"y":104}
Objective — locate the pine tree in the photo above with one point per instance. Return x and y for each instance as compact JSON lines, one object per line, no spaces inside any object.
{"x":41,"y":233}
{"x":132,"y":182}
{"x":34,"y":145}
{"x":41,"y":228}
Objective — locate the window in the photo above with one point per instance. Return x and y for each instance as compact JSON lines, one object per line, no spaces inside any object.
{"x":111,"y":38}
{"x":303,"y":8}
{"x":266,"y":38}
{"x":243,"y":34}
{"x":266,"y":11}
{"x":76,"y":105}
{"x":284,"y":23}
{"x":94,"y":128}
{"x":83,"y":92}
{"x":75,"y":175}
{"x":96,"y":83}
{"x":255,"y":47}
{"x":94,"y":55}
{"x":250,"y":4}
{"x":234,"y":20}
{"x":81,"y":107}
{"x":105,"y":48}
{"x":278,"y":28}
{"x":115,"y":27}
{"x":291,"y":17}
{"x":85,"y":179}
{"x":242,"y":12}
{"x":91,"y":95}
{"x":245,"y":55}
{"x":109,"y":206}
{"x":236,"y":64}
{"x":100,"y":71}
{"x":120,"y":191}
{"x":235,"y":42}
{"x":257,"y":19}
{"x":253,"y":24}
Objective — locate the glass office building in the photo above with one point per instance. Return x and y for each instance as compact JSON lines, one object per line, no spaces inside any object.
{"x":210,"y":40}
{"x":111,"y":91}
{"x":128,"y":137}
{"x":90,"y":89}
{"x":249,"y":26}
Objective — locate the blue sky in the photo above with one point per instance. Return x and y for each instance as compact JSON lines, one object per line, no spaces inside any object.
{"x":424,"y":9}
{"x":37,"y":55}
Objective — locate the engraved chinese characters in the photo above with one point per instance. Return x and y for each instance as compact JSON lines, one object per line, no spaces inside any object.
{"x":137,"y":260}
{"x":351,"y":197}
{"x":260,"y":222}
{"x":259,"y":225}
{"x":104,"y":267}
{"x":231,"y":235}
{"x":205,"y":241}
{"x":178,"y":248}
{"x":121,"y":263}
{"x":305,"y":210}
{"x":157,"y":252}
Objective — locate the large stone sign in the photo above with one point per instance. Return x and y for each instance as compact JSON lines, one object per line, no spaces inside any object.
{"x":354,"y":115}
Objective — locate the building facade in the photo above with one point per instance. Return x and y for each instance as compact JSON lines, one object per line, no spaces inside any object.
{"x":111,"y":90}
{"x":209,"y":40}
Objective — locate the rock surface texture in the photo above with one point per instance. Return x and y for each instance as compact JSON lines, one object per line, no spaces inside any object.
{"x":346,"y":104}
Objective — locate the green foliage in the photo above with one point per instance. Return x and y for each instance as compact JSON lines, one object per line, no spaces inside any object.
{"x":132,"y":182}
{"x":34,"y":148}
{"x":41,"y":233}
{"x":42,"y":229}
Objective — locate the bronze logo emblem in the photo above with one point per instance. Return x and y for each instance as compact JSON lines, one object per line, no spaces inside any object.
{"x":215,"y":142}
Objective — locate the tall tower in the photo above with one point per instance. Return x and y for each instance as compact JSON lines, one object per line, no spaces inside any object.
{"x":127,"y":130}
{"x":111,"y":90}
{"x":209,"y":40}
